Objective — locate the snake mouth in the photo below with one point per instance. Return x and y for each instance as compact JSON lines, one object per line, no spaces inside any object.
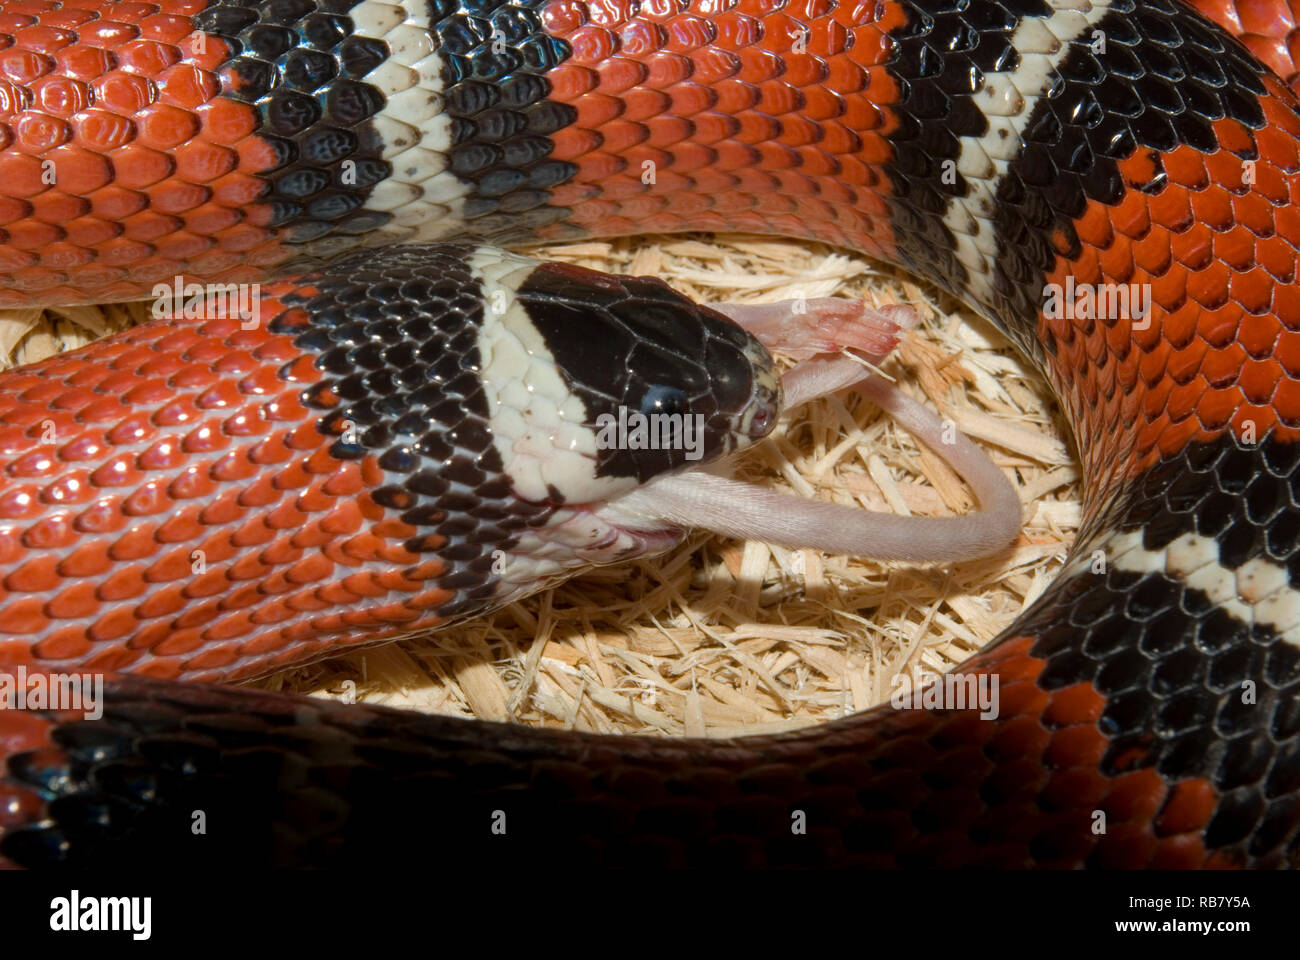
{"x":635,"y":539}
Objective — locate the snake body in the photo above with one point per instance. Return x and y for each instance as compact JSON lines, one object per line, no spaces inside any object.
{"x":1149,"y":714}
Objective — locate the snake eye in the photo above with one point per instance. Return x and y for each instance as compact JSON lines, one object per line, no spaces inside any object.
{"x":663,"y":399}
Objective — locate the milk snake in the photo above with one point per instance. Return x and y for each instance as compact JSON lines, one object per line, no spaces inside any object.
{"x":1149,"y":715}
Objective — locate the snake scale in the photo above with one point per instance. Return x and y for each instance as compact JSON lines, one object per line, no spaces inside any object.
{"x":353,"y":465}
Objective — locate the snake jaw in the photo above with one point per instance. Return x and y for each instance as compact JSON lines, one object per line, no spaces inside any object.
{"x":579,"y":536}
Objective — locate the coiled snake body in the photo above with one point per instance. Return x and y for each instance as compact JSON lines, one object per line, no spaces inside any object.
{"x":347,"y":472}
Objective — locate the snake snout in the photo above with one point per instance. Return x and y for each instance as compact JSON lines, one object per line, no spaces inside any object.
{"x":759,"y":415}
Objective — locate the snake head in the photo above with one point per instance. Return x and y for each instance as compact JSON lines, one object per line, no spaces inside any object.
{"x":598,"y":384}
